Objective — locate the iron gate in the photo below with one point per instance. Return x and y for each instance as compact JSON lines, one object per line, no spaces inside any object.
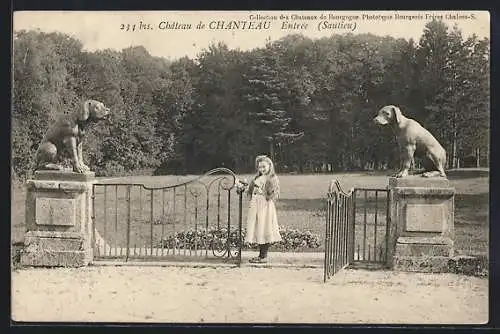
{"x":185,"y":221}
{"x":357,"y":226}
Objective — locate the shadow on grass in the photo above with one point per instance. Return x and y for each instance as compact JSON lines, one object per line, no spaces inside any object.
{"x":472,"y":224}
{"x":455,"y":174}
{"x":319,"y":204}
{"x":472,"y":202}
{"x":469,"y":202}
{"x":308,"y":204}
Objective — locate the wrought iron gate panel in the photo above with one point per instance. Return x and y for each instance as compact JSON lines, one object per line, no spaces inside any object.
{"x":189,"y":221}
{"x":339,"y":230}
{"x":357,"y":225}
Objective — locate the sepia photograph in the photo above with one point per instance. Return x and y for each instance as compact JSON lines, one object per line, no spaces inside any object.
{"x":250,"y":167}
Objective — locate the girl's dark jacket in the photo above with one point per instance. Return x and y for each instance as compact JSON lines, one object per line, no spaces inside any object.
{"x":272,"y":187}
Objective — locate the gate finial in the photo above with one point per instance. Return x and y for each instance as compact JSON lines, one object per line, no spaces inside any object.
{"x":335,"y":187}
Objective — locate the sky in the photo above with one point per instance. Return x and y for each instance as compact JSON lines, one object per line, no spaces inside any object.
{"x":108,"y":29}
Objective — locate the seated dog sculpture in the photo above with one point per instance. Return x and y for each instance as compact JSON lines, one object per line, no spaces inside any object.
{"x":412,"y":137}
{"x":64,"y":138}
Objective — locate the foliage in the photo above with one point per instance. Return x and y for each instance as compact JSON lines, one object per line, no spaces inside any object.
{"x":201,"y":238}
{"x":308,"y":103}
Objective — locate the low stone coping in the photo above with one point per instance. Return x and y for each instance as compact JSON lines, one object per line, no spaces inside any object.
{"x":419,"y":181}
{"x":53,"y":234}
{"x":424,"y":191}
{"x":64,"y":176}
{"x":70,"y":186}
{"x":425,"y":240}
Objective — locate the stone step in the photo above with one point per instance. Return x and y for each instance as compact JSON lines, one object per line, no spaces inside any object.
{"x":423,"y":249}
{"x":53,"y":244}
{"x":54,"y":258}
{"x":425,"y":264}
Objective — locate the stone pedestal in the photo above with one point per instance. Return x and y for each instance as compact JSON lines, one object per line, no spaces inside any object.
{"x":421,"y":229}
{"x":58,"y":219}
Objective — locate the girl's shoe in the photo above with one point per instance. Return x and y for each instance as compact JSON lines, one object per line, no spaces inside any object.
{"x":258,"y":260}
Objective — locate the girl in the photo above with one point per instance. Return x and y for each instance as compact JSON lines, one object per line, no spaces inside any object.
{"x":262,"y":221}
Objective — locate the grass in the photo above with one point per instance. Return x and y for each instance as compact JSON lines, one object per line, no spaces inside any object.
{"x":301,"y":206}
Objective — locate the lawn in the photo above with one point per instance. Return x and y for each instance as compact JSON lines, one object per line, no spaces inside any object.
{"x":301,"y":206}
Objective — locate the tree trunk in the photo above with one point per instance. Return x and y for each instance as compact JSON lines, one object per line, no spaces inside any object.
{"x":451,"y":161}
{"x":271,"y":150}
{"x":454,"y":148}
{"x":454,"y":142}
{"x":477,"y":158}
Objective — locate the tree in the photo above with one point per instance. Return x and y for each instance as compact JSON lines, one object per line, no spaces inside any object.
{"x":435,"y":85}
{"x":40,"y":83}
{"x":450,"y":78}
{"x":226,"y":106}
{"x":101,"y":78}
{"x":264,"y":99}
{"x":175,"y":97}
{"x":473,"y":137}
{"x":294,"y":53}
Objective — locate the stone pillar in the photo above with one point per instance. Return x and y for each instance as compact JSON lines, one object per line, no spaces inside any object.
{"x":421,"y":228}
{"x":58,"y":220}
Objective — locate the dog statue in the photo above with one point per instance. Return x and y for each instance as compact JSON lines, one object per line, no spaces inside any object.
{"x":64,"y":138}
{"x":411,"y":138}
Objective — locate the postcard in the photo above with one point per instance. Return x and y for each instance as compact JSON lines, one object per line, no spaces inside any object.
{"x":251,"y":167}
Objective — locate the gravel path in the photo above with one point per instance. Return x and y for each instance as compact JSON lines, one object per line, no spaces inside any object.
{"x":246,"y":295}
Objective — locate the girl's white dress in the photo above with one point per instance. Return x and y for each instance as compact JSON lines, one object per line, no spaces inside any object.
{"x":262,"y":221}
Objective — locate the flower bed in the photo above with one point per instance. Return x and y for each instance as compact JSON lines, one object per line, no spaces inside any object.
{"x":292,"y":239}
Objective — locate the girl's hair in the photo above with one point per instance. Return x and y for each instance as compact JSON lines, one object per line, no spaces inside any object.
{"x":268,"y":160}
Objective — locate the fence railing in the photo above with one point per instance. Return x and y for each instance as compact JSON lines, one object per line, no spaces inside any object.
{"x":371,"y":220}
{"x":193,"y":220}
